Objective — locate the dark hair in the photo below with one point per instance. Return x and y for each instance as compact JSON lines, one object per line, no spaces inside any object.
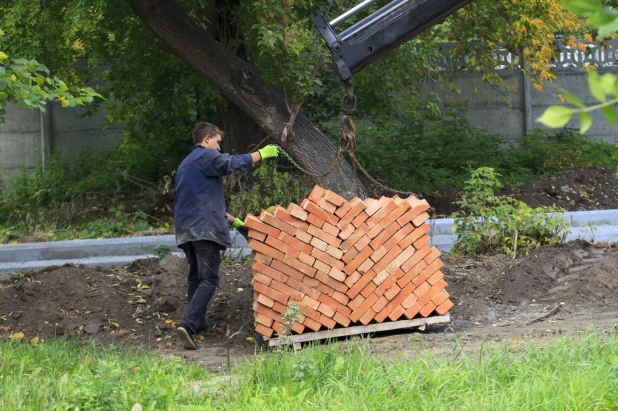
{"x":203,"y":129}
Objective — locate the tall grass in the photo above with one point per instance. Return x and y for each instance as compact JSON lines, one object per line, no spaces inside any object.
{"x":570,"y":374}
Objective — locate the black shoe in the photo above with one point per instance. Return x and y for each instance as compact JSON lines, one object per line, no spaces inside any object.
{"x":187,"y":339}
{"x":210,"y":325}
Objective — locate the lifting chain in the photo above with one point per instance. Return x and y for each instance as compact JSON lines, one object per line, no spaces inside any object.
{"x":347,"y":143}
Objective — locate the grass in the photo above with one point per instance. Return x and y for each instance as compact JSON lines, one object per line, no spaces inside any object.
{"x":573,"y":374}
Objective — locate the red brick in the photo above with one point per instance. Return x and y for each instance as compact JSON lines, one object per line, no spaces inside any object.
{"x":383,"y":212}
{"x":409,"y":301}
{"x":366,"y":266}
{"x":341,"y":319}
{"x":254,"y":223}
{"x":303,"y":288}
{"x":343,"y":209}
{"x":378,"y":254}
{"x":264,"y":320}
{"x":327,"y":206}
{"x":331,"y":282}
{"x":314,"y":325}
{"x":362,"y":243}
{"x":414,"y":235}
{"x":441,"y":297}
{"x":269,"y":292}
{"x":287,"y":290}
{"x":310,"y":302}
{"x":323,"y":288}
{"x":381,"y":316}
{"x":356,"y":301}
{"x":396,"y":313}
{"x":383,"y":235}
{"x":287,"y":270}
{"x":261,"y":258}
{"x":380,"y":303}
{"x":358,"y":260}
{"x":265,"y":311}
{"x":442,"y":283}
{"x":281,"y":246}
{"x":367,"y":317}
{"x":429,"y":258}
{"x":419,"y":274}
{"x":341,"y":298}
{"x":266,"y":250}
{"x":435,"y":277}
{"x":389,"y":282}
{"x":283,"y":214}
{"x":416,"y":258}
{"x":315,"y":209}
{"x":403,"y":294}
{"x":387,"y":259}
{"x":362,"y":309}
{"x":433,"y":267}
{"x":319,"y":244}
{"x":429,"y":295}
{"x":273,"y":221}
{"x":417,"y":209}
{"x":360,"y":219}
{"x":280,"y":308}
{"x":343,"y":309}
{"x":392,"y":292}
{"x":296,"y":243}
{"x":325,"y":268}
{"x":398,"y":236}
{"x":372,"y":206}
{"x":345,"y":234}
{"x":297,"y":328}
{"x":334,"y":252}
{"x":265,"y":331}
{"x":352,"y":279}
{"x":404,"y":256}
{"x":381,"y":277}
{"x":331,"y":302}
{"x":444,"y":307}
{"x":311,"y":282}
{"x":306,"y":259}
{"x":395,"y":214}
{"x":312,"y":219}
{"x":329,"y":323}
{"x":421,"y":289}
{"x":376,"y":230}
{"x":328,"y":228}
{"x":350,"y":215}
{"x":420,"y":220}
{"x":324,"y":236}
{"x":298,"y":212}
{"x":337,"y":274}
{"x":427,"y":309}
{"x":303,"y":236}
{"x":316,"y":193}
{"x":285,"y":237}
{"x":412,"y":311}
{"x":326,"y":310}
{"x":327,"y":259}
{"x":256,"y":235}
{"x":360,"y":284}
{"x":264,"y":279}
{"x":310,"y":312}
{"x":350,"y":255}
{"x":333,"y":198}
{"x":353,"y":239}
{"x":294,"y":263}
{"x":264,"y":300}
{"x":366,"y":292}
{"x":278,"y":328}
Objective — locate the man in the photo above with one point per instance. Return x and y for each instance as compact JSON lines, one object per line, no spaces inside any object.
{"x":202,"y":221}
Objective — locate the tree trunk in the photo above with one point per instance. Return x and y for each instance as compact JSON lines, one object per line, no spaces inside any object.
{"x":242,"y":86}
{"x":242,"y":134}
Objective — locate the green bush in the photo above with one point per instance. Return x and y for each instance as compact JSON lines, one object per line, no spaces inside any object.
{"x":491,"y":224}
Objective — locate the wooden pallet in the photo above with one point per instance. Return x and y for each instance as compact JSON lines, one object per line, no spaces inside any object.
{"x":420,"y":323}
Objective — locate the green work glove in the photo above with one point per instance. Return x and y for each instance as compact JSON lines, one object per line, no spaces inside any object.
{"x":269,"y":151}
{"x":238,"y":223}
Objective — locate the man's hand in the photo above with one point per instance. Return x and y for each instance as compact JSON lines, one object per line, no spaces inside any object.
{"x":269,"y":151}
{"x":238,"y":223}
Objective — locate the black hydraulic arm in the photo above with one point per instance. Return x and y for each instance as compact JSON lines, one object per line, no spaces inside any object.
{"x":369,"y":39}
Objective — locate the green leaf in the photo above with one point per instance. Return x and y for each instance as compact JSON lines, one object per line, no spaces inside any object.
{"x":596,"y":86}
{"x":3,"y":55}
{"x":574,"y":100}
{"x":582,"y":7}
{"x":610,"y":114}
{"x":556,"y":116}
{"x":585,"y":121}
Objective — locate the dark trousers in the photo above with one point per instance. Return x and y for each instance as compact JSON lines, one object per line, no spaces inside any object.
{"x":204,"y":260}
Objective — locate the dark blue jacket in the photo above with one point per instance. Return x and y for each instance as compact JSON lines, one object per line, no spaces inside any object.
{"x":199,"y":209}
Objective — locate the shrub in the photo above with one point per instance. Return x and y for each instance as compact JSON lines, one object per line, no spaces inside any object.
{"x":491,"y":224}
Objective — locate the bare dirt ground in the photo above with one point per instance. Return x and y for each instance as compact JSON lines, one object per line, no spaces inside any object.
{"x":558,"y":290}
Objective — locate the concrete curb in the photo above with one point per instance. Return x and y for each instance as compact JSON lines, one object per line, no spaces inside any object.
{"x":598,"y":225}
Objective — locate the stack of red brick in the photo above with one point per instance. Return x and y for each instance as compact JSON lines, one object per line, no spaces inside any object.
{"x":345,"y":263}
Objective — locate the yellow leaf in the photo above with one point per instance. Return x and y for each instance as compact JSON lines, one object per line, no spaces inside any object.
{"x":34,"y":341}
{"x":115,"y":324}
{"x":64,"y":102}
{"x":249,"y":338}
{"x":240,"y":289}
{"x":3,"y":55}
{"x":169,"y":321}
{"x":1,"y":32}
{"x":144,"y":286}
{"x":17,"y":336}
{"x":13,"y":77}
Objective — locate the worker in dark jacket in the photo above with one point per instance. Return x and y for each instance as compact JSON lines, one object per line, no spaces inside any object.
{"x":202,"y":223}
